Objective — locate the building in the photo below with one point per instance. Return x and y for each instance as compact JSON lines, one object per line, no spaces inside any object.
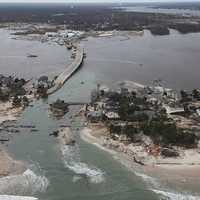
{"x":111,"y":115}
{"x":94,"y":116}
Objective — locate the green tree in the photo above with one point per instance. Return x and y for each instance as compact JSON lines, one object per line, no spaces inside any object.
{"x":16,"y":101}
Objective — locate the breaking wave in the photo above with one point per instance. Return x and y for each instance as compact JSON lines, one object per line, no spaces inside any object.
{"x":27,"y":183}
{"x":175,"y":196}
{"x":165,"y":195}
{"x":73,"y":162}
{"x":148,"y":179}
{"x":9,"y":197}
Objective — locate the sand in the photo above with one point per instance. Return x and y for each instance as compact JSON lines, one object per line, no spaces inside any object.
{"x":9,"y":166}
{"x":183,"y":175}
{"x":8,"y":113}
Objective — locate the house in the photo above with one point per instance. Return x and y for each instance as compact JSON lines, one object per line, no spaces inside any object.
{"x":111,"y":115}
{"x":94,"y":116}
{"x":51,"y":34}
{"x":174,"y":111}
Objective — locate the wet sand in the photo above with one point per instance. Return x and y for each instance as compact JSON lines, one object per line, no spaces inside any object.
{"x":159,"y":177}
{"x":9,"y":166}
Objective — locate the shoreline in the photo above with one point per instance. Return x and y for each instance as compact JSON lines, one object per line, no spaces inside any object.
{"x":173,"y":177}
{"x":182,"y":162}
{"x":8,"y":113}
{"x":8,"y":165}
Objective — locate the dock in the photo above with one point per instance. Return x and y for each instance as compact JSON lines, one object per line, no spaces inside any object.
{"x":70,"y":70}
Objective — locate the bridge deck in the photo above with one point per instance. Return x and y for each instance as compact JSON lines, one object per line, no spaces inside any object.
{"x":64,"y":76}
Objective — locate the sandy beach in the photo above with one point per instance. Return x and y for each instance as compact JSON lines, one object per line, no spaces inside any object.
{"x":180,"y":175}
{"x":8,"y":113}
{"x":9,"y":166}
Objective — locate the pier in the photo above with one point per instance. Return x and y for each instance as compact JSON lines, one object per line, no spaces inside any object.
{"x":70,"y":70}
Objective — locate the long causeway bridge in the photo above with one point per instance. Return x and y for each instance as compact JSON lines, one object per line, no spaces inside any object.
{"x":70,"y":70}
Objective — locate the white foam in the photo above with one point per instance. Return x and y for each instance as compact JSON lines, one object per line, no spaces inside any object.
{"x":176,"y":196}
{"x":26,"y":183}
{"x":10,"y":197}
{"x":167,"y":195}
{"x":148,"y":179}
{"x":72,"y":161}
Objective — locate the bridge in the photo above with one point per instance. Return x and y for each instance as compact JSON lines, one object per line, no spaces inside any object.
{"x":70,"y":70}
{"x":77,"y":103}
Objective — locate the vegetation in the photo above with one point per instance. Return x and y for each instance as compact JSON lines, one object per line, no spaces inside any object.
{"x":134,"y":115}
{"x":165,"y":133}
{"x":17,"y":102}
{"x":159,"y":30}
{"x":4,"y":95}
{"x":13,"y":88}
{"x":42,"y":91}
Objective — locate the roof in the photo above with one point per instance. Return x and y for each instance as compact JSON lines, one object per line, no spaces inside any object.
{"x":94,"y":114}
{"x":170,"y":110}
{"x":198,"y":111}
{"x":112,"y":115}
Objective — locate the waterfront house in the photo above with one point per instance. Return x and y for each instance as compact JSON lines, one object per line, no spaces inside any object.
{"x":94,"y":116}
{"x":111,"y":116}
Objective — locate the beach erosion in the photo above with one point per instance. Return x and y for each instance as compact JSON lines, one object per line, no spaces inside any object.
{"x":166,"y":180}
{"x":18,"y":180}
{"x":16,"y":177}
{"x":72,"y":160}
{"x":155,"y":176}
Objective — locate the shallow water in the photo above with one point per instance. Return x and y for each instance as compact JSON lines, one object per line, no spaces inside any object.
{"x":72,"y":173}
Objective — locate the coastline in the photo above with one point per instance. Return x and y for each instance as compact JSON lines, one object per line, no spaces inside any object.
{"x":157,"y":177}
{"x":8,"y":113}
{"x":8,"y":165}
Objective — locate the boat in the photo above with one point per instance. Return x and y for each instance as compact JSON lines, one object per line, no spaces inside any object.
{"x":32,"y":56}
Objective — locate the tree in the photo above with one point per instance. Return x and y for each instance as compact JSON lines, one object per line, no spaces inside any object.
{"x":25,"y":101}
{"x":42,"y":91}
{"x":4,"y":96}
{"x":196,"y":94}
{"x":185,"y":96}
{"x":16,"y":101}
{"x":123,"y":108}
